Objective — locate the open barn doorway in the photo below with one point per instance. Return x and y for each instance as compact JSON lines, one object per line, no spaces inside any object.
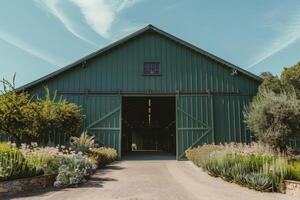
{"x":148,"y":124}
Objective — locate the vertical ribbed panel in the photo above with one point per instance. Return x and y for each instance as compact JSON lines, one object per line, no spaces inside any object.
{"x":194,"y":122}
{"x":103,"y":119}
{"x":229,"y":120}
{"x":181,"y":69}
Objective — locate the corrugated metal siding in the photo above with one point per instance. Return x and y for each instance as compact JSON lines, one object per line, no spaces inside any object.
{"x":183,"y":70}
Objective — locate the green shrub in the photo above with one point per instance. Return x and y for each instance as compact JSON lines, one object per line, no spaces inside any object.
{"x":274,"y":118}
{"x":28,"y":120}
{"x":82,"y":143}
{"x":294,"y":170}
{"x":103,"y":155}
{"x":56,"y":116}
{"x":199,"y":154}
{"x":13,"y":164}
{"x":17,"y":114}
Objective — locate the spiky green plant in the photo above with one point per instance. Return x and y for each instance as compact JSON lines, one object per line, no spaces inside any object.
{"x":82,"y":143}
{"x":258,"y":181}
{"x":259,"y":172}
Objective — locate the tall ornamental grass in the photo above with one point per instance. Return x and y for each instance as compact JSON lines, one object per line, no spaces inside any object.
{"x":13,"y":164}
{"x":256,"y":165}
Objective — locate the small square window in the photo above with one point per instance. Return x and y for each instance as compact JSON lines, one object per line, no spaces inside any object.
{"x":151,"y":68}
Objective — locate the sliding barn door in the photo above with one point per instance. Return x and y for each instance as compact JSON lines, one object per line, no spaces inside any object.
{"x":194,"y":122}
{"x":103,"y":120}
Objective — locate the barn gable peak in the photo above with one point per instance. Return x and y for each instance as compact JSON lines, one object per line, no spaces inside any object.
{"x":147,"y":28}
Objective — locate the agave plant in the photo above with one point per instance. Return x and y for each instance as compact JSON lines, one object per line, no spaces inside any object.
{"x":259,"y":181}
{"x":82,"y":143}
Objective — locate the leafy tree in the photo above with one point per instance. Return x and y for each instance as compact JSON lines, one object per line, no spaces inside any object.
{"x":264,"y":75}
{"x":274,"y":118}
{"x":273,"y":115}
{"x":16,"y":113}
{"x":290,"y":78}
{"x":27,"y":120}
{"x":271,"y":83}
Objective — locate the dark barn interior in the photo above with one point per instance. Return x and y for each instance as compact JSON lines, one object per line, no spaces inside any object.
{"x":148,"y":124}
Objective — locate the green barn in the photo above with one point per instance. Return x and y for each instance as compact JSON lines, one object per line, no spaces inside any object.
{"x":152,"y":91}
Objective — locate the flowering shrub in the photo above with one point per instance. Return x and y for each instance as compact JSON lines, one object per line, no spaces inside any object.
{"x":46,"y":159}
{"x":73,"y":170}
{"x":54,"y":151}
{"x":253,"y":148}
{"x":200,"y":154}
{"x":32,"y":160}
{"x":102,"y":155}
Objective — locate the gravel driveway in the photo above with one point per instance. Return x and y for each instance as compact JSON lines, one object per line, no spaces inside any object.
{"x":157,"y":177}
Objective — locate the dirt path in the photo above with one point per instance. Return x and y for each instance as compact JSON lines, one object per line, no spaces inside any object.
{"x":163,"y":178}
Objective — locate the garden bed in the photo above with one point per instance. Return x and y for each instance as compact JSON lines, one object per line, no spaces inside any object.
{"x":255,"y":166}
{"x":26,"y":184}
{"x":71,"y":167}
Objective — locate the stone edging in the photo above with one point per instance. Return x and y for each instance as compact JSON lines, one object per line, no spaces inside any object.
{"x":292,"y":188}
{"x":26,"y":184}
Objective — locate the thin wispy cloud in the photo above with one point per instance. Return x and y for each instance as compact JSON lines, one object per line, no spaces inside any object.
{"x":14,"y":41}
{"x":101,"y":14}
{"x":53,"y":7}
{"x":126,"y":4}
{"x":289,"y":33}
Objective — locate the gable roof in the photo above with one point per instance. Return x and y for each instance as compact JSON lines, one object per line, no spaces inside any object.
{"x":125,"y":39}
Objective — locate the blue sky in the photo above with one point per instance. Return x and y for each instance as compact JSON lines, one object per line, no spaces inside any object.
{"x":40,"y":36}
